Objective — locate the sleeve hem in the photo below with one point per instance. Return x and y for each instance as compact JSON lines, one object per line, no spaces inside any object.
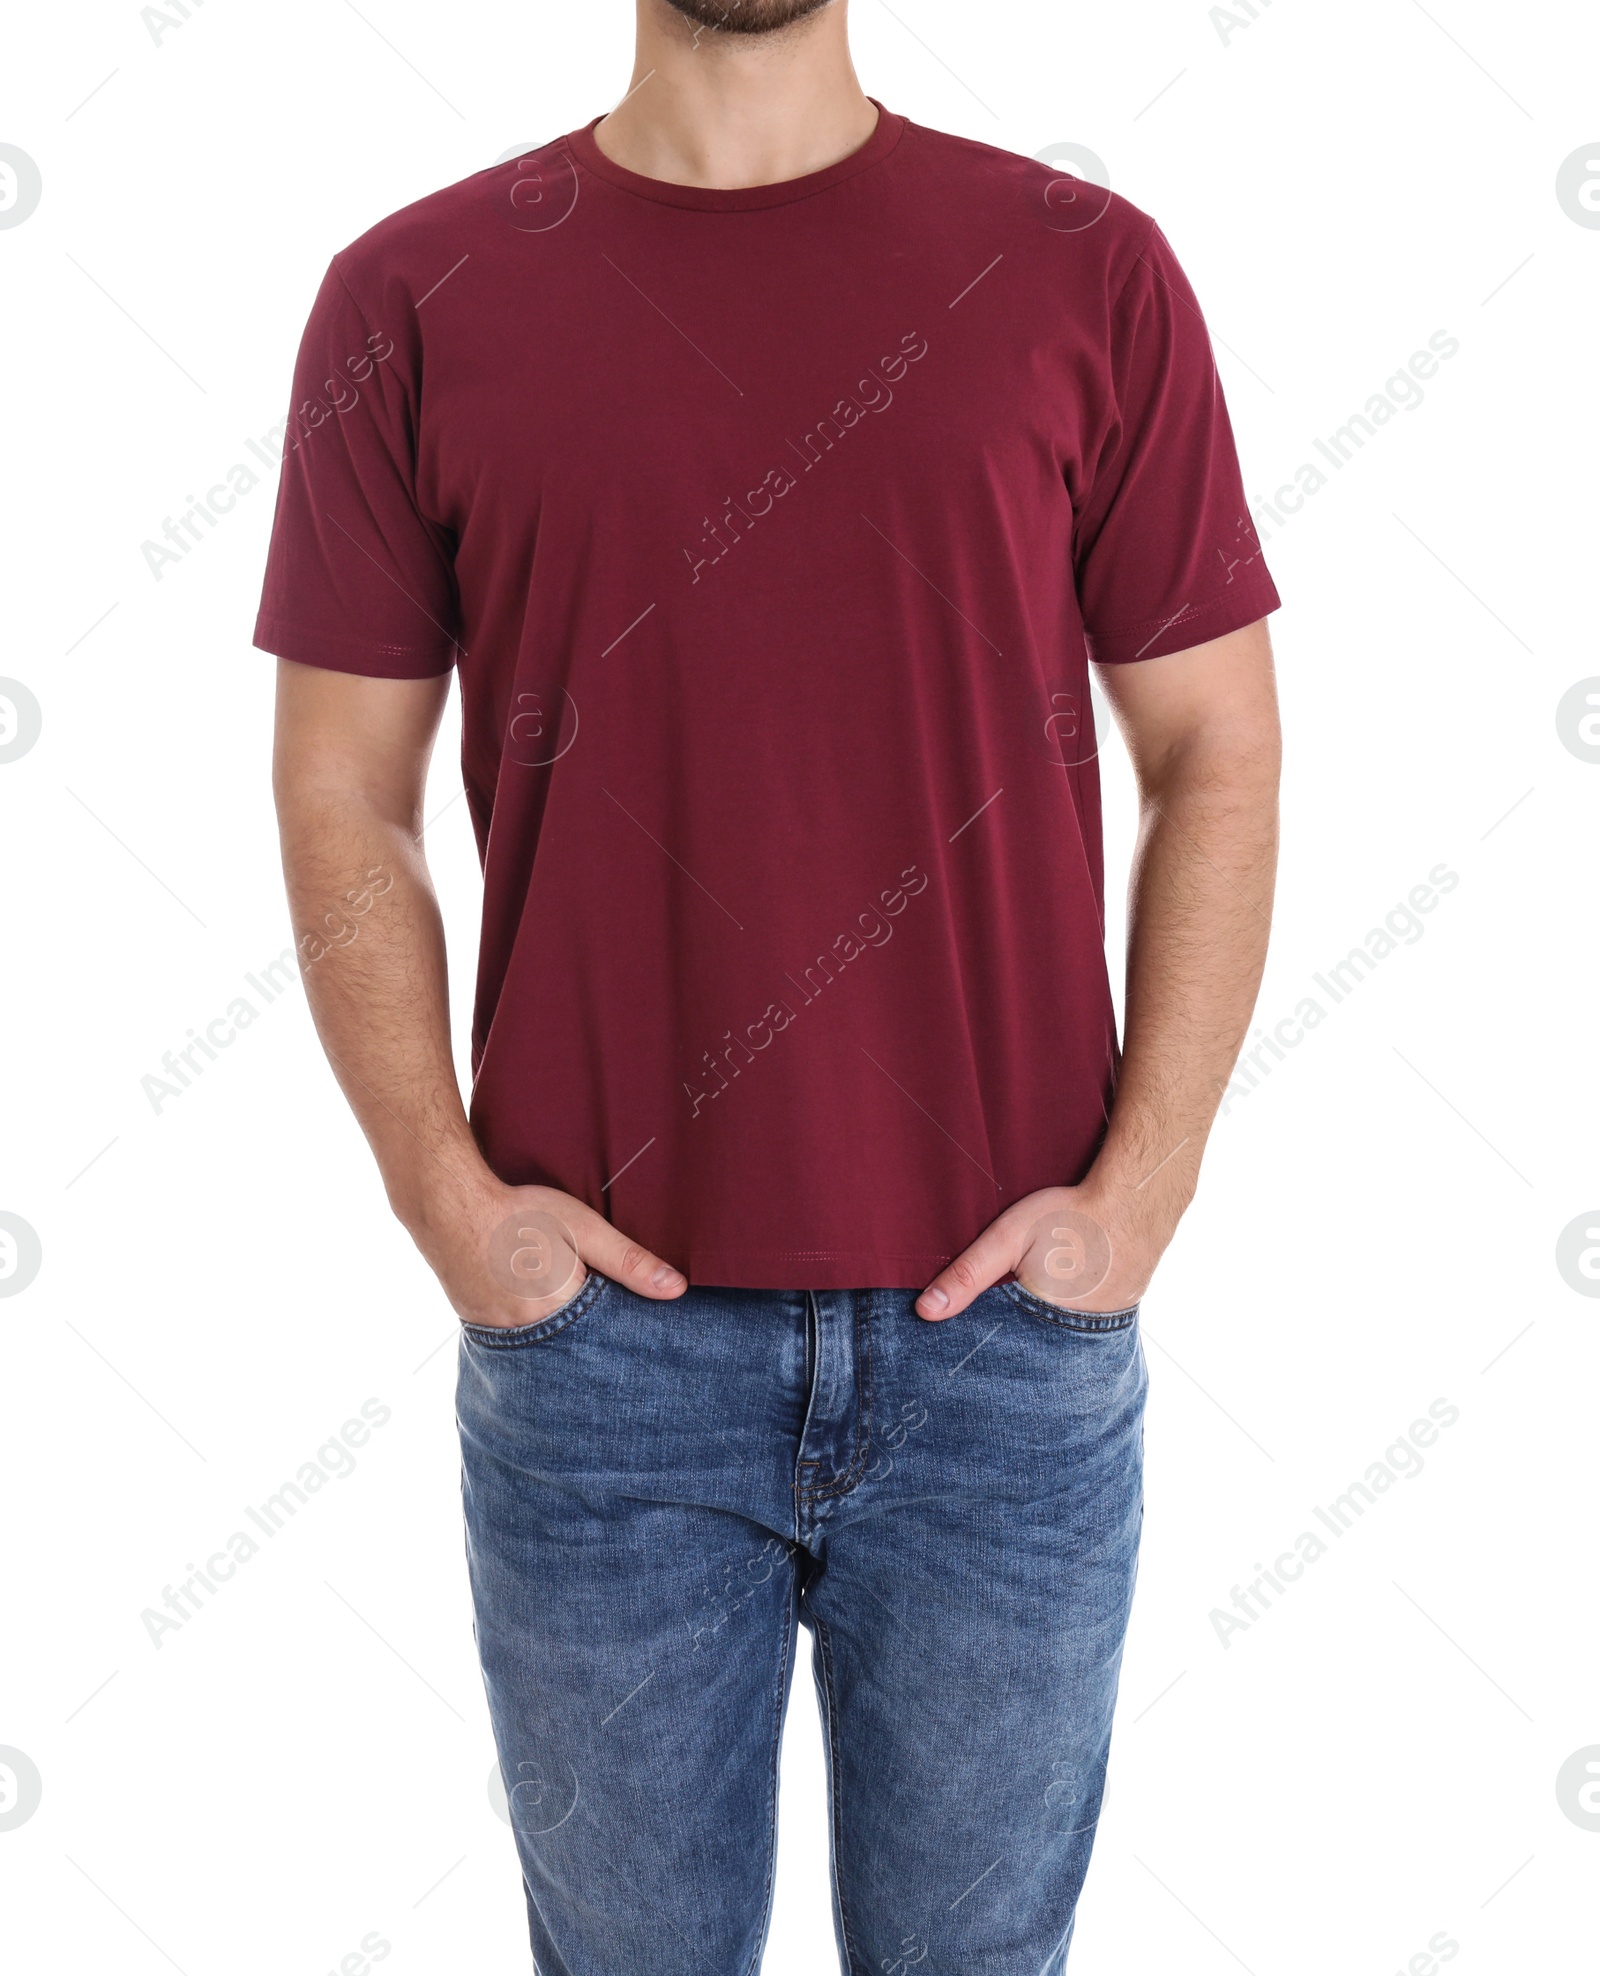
{"x":338,"y":654}
{"x":1158,"y":638}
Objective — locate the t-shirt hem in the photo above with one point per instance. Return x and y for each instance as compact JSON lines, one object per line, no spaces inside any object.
{"x":337,"y":654}
{"x":1156,"y":638}
{"x":816,"y":1269}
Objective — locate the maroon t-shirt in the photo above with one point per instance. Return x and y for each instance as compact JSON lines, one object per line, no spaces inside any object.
{"x":770,"y":532}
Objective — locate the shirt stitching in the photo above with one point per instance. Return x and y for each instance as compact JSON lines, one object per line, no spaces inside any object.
{"x":1186,"y":616}
{"x":727,"y":212}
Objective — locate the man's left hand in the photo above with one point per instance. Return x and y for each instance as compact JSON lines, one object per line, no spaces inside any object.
{"x":1083,"y":1248}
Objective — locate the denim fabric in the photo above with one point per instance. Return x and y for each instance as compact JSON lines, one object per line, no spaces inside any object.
{"x":657,"y":1494}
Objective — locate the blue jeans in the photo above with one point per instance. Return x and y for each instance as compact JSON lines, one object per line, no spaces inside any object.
{"x":656,"y":1493}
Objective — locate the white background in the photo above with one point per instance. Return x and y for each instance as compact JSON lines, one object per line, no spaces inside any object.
{"x":306,"y":1761}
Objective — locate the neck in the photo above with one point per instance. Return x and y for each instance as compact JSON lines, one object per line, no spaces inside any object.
{"x":709,"y":108}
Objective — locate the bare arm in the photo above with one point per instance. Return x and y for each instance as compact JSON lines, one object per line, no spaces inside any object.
{"x":1202,"y":728}
{"x":349,"y":767}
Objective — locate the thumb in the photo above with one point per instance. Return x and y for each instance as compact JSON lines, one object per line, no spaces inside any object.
{"x":629,"y":1263}
{"x":975,"y":1270}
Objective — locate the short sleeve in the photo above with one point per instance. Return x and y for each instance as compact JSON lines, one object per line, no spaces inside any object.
{"x":1166,"y":554}
{"x":357,"y":579}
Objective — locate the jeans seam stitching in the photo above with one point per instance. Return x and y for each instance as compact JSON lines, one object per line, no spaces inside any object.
{"x":836,"y":1793}
{"x":772,"y":1774}
{"x":853,"y":1474}
{"x":805,"y":1491}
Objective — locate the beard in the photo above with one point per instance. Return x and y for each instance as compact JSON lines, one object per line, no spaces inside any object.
{"x":747,"y":17}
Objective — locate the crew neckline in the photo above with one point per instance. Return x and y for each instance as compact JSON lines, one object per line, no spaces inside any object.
{"x":886,"y":134}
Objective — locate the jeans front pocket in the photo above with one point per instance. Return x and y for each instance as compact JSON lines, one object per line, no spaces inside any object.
{"x":1087,"y":1322}
{"x":505,"y":1338}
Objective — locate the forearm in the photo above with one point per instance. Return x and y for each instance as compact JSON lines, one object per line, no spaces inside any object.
{"x":1200,"y":901}
{"x":1202,"y":730}
{"x":371,"y":944}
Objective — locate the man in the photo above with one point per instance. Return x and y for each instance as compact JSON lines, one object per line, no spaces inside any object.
{"x":769,"y":469}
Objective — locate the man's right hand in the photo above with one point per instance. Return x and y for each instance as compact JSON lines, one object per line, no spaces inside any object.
{"x":508,"y":1256}
{"x":349,"y":771}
